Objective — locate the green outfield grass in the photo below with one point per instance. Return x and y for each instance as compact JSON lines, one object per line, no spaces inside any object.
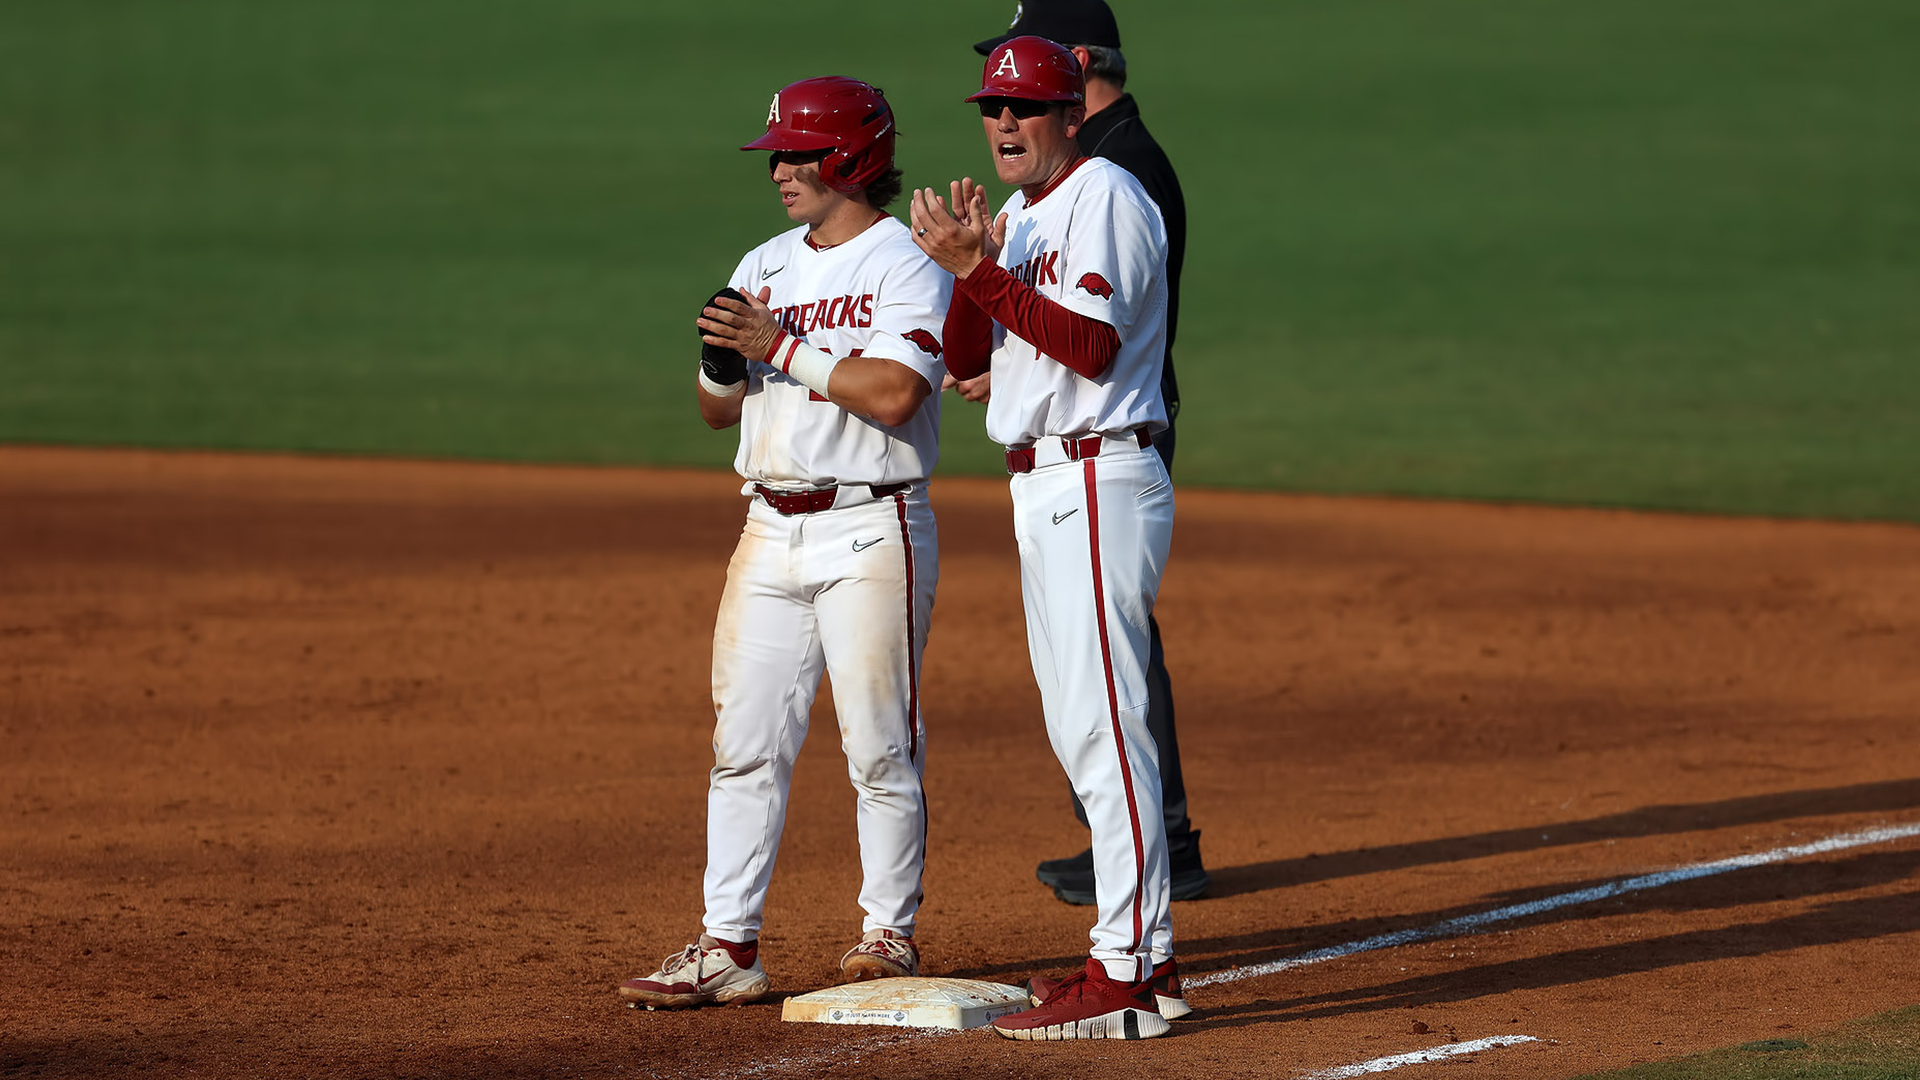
{"x":1884,"y":1047}
{"x":1636,"y":253}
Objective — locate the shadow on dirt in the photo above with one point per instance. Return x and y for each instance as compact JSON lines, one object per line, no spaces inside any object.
{"x":1646,"y":821}
{"x":1778,"y":882}
{"x":1827,"y":924}
{"x":1735,"y":888}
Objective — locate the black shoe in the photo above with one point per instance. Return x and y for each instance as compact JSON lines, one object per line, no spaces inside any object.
{"x":1075,"y":886}
{"x":1054,"y":871}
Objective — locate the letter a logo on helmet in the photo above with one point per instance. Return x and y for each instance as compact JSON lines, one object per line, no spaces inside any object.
{"x":845,"y":120}
{"x":1033,"y":69}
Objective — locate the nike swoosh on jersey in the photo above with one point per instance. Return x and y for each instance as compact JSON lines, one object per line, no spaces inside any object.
{"x":765,"y":274}
{"x":858,"y":546}
{"x":1058,"y":518}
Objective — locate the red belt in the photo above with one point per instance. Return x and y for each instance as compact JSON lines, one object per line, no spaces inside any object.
{"x":806,"y":502}
{"x":1021,"y":461}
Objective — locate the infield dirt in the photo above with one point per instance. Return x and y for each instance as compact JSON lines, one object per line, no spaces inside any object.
{"x":378,"y":769}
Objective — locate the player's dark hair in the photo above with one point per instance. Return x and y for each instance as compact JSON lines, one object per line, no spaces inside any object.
{"x":1105,"y":62}
{"x":886,"y":189}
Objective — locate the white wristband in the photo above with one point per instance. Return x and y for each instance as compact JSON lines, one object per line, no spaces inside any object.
{"x":719,"y":389}
{"x":808,"y":365}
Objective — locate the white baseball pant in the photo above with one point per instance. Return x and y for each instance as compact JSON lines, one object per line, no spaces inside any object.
{"x":1093,"y":538}
{"x":847,"y":591}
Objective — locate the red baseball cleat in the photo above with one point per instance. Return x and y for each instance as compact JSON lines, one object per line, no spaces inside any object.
{"x":1089,"y":1005}
{"x":1166,"y":991}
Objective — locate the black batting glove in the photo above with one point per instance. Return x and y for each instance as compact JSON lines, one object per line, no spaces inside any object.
{"x":722,"y":365}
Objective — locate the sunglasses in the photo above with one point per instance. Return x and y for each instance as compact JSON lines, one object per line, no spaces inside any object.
{"x":795,"y":157}
{"x":1021,"y":108}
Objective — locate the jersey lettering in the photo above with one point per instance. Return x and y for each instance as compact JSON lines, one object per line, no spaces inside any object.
{"x":1007,"y":66}
{"x":1039,"y":270}
{"x":826,"y":314}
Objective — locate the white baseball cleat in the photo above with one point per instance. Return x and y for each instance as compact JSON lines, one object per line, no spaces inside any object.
{"x":702,"y":973}
{"x":881,"y":954}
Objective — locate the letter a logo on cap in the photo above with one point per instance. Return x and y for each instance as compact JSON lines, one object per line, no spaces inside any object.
{"x":1007,"y":66}
{"x":773,"y":110}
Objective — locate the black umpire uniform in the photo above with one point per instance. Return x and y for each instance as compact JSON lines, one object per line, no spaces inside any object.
{"x":1118,"y":134}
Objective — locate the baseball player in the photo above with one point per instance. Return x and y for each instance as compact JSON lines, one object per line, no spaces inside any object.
{"x":1068,"y":289}
{"x":1115,"y":131}
{"x":825,"y":350}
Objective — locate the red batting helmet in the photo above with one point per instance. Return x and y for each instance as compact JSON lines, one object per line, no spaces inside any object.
{"x":846,"y":117}
{"x":1032,"y":68}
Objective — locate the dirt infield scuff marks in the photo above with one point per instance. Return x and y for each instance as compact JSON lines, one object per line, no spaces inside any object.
{"x":1467,"y":924}
{"x":1420,"y":1057}
{"x":838,"y":1056}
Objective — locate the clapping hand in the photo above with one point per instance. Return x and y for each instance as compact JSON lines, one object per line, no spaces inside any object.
{"x":957,"y":231}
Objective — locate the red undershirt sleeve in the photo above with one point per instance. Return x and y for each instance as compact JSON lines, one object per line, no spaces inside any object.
{"x":1085,"y":345}
{"x":968,"y":338}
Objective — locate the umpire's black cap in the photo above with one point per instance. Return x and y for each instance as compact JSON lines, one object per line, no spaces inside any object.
{"x":1069,"y":22}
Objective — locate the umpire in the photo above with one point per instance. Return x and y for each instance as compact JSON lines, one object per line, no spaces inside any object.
{"x":1114,"y":130}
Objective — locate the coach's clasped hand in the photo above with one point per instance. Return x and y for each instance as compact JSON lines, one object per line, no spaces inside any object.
{"x":960,"y":238}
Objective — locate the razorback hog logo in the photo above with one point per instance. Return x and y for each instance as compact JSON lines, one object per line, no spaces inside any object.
{"x":927,"y":342}
{"x":1096,"y":285}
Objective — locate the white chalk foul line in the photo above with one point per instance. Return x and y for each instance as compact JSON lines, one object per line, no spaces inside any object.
{"x":1469,"y":923}
{"x":1419,"y":1057}
{"x":842,"y":1053}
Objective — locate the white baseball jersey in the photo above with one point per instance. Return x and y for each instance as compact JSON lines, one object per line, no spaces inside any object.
{"x":1096,"y":245}
{"x":874,"y":295}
